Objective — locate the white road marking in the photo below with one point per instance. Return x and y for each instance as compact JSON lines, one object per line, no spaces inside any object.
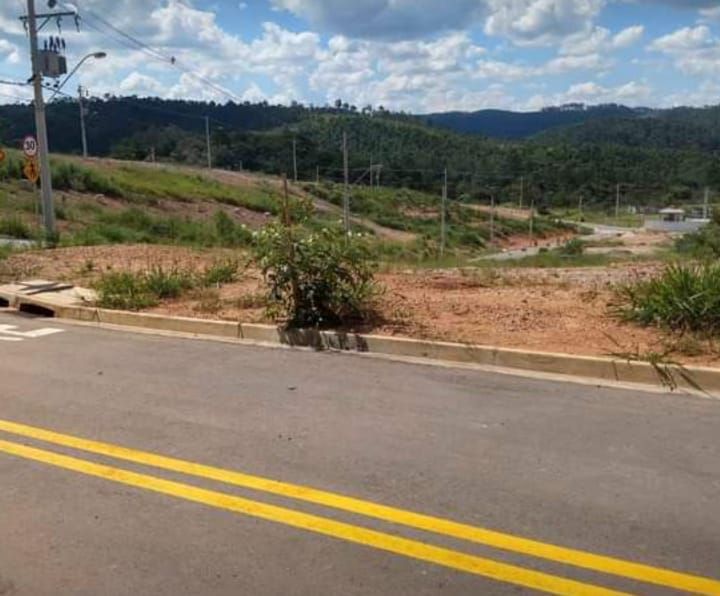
{"x":11,"y":334}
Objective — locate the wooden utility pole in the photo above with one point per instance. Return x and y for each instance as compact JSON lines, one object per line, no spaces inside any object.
{"x":492,"y":218}
{"x":443,"y":209}
{"x":207,"y":142}
{"x":706,"y":203}
{"x":295,"y":170}
{"x":617,"y":203}
{"x":532,"y":217}
{"x":346,"y":194}
{"x":522,"y":191}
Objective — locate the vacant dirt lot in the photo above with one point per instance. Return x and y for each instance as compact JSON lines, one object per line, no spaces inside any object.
{"x":559,"y":310}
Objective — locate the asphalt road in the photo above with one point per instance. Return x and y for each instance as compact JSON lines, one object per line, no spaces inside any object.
{"x":523,"y":484}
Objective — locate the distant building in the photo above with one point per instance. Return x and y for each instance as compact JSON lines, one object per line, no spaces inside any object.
{"x":674,"y":221}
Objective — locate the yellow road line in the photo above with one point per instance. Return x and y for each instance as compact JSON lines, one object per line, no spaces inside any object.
{"x":387,"y":542}
{"x":525,"y":546}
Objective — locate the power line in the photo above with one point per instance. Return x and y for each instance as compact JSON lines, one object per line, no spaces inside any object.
{"x":134,"y":43}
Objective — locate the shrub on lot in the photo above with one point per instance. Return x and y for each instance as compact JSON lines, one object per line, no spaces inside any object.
{"x":124,"y":291}
{"x":315,"y":279}
{"x":682,"y":298}
{"x":164,"y":284}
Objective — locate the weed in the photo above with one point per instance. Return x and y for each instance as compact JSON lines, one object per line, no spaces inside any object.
{"x":669,"y":372}
{"x":221,"y":272}
{"x":124,"y":291}
{"x":682,"y":298}
{"x":164,"y":284}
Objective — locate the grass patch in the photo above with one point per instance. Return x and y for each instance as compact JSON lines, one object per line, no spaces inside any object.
{"x":140,"y":290}
{"x":124,"y":291}
{"x":684,"y":298}
{"x":137,"y":226}
{"x":15,"y":227}
{"x":221,"y":272}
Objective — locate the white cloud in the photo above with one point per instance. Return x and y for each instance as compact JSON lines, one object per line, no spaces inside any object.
{"x":693,"y":50}
{"x":9,"y":52}
{"x":590,"y":92}
{"x":687,"y":38}
{"x":541,"y":22}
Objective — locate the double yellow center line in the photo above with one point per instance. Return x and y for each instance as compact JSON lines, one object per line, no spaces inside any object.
{"x":357,"y":534}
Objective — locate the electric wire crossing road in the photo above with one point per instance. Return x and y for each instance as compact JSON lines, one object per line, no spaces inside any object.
{"x":388,"y":542}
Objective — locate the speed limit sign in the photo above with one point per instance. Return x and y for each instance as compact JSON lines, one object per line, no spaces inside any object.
{"x":30,"y":146}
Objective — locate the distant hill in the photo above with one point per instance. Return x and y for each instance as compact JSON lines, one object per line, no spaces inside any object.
{"x":660,"y":157}
{"x":504,"y":124}
{"x":677,"y":128}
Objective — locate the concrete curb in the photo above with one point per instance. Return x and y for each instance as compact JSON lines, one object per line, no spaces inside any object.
{"x":601,"y":368}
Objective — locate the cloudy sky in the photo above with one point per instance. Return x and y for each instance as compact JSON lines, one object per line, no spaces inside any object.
{"x":415,"y":55}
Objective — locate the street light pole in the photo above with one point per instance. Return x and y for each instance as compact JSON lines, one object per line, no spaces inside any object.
{"x":41,"y":127}
{"x":82,"y":122}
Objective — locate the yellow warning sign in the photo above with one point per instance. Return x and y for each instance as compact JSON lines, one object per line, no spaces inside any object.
{"x":2,"y":155}
{"x":31,"y":170}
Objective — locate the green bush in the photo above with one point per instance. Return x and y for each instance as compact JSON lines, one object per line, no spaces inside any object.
{"x":136,"y":291}
{"x":572,"y":248}
{"x":164,"y":284}
{"x":683,"y":298}
{"x":228,"y":232}
{"x":124,"y":291}
{"x":316,"y":279}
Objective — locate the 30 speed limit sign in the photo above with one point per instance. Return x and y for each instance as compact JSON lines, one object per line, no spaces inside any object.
{"x":30,"y":146}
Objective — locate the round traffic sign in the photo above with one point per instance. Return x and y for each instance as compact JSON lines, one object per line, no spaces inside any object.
{"x":30,"y":146}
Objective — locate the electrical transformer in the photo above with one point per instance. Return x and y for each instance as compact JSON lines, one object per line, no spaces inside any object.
{"x":52,"y":64}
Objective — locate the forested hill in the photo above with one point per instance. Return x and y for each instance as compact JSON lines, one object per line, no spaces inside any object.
{"x":260,"y":137}
{"x":678,"y":128}
{"x":503,"y":124}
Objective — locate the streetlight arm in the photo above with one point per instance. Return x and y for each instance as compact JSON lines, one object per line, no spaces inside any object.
{"x":74,"y":70}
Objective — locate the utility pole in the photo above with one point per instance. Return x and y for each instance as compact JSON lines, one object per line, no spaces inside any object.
{"x":295,"y":173}
{"x":317,"y":174}
{"x":706,"y":203}
{"x":443,"y":209}
{"x":617,"y":203}
{"x":580,"y":208}
{"x":82,"y":122}
{"x":41,"y":127}
{"x":207,"y":142}
{"x":522,"y":191}
{"x":532,"y":218}
{"x":346,"y":194}
{"x":492,"y":218}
